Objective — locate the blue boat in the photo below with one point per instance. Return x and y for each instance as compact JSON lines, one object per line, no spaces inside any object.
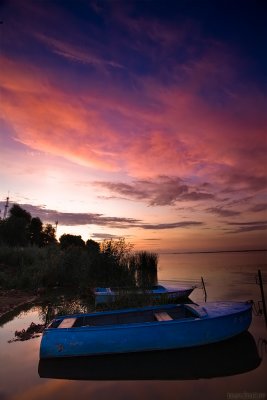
{"x":109,"y":295}
{"x":229,"y":357}
{"x":150,"y":328}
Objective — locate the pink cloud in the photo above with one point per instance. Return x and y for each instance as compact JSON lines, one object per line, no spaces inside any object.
{"x":155,"y":130}
{"x":161,"y":191}
{"x":205,"y":136}
{"x":47,"y":119}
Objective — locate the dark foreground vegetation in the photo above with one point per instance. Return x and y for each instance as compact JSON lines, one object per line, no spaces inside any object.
{"x":32,"y":258}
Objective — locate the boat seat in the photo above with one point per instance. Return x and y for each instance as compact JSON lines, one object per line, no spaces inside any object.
{"x":67,"y":323}
{"x":162,"y":316}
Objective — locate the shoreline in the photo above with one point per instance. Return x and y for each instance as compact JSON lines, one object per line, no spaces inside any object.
{"x":12,"y":299}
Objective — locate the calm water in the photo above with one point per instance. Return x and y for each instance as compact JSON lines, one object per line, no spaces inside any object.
{"x":235,"y":370}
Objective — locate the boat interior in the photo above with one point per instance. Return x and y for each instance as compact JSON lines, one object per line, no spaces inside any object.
{"x":138,"y":316}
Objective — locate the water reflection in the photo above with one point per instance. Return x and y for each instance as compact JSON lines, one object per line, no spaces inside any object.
{"x":64,"y":305}
{"x":235,"y":356}
{"x":227,"y":277}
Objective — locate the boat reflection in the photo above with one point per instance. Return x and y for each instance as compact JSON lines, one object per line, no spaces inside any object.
{"x":231,"y":357}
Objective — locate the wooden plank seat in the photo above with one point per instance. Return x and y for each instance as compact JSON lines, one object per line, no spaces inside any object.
{"x":162,"y":316}
{"x":67,"y":323}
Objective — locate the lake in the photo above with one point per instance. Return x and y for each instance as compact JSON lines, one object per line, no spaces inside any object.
{"x":234,"y":370}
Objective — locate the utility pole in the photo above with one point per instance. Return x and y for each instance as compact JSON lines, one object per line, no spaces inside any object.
{"x":6,"y":207}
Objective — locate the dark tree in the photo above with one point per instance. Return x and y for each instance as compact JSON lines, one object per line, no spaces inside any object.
{"x":119,"y":249}
{"x":35,"y":232}
{"x":67,"y":240}
{"x":18,"y":212}
{"x":92,"y":246}
{"x":15,"y":229}
{"x":14,"y":232}
{"x":20,"y":229}
{"x":48,"y":235}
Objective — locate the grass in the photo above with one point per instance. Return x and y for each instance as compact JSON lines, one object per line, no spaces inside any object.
{"x":75,"y":267}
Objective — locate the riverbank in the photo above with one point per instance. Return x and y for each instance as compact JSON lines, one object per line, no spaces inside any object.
{"x":11,"y":299}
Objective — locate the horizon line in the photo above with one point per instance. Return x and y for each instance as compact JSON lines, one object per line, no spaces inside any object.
{"x":211,"y":251}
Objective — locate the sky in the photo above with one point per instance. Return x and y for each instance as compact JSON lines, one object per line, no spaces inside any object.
{"x":138,"y":119}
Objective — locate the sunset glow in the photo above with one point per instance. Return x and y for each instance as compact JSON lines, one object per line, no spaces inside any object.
{"x":138,"y":119}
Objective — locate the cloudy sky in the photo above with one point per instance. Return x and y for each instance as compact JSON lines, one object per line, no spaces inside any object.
{"x":143,"y":119}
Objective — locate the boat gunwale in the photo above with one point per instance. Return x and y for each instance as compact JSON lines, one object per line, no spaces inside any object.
{"x":126,"y":325}
{"x":109,"y":291}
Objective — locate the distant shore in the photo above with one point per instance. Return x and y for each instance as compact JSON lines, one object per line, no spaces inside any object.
{"x":213,"y":251}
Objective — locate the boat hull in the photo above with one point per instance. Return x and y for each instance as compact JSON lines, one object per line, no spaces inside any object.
{"x":110,"y":296}
{"x":148,"y":336}
{"x":234,"y":356}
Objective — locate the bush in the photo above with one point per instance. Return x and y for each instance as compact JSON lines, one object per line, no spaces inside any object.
{"x":77,"y":266}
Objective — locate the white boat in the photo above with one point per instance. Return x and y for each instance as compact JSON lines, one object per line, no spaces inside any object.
{"x":109,"y":295}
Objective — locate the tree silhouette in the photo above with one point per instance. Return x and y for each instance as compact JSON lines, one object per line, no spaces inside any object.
{"x":67,"y":240}
{"x":92,"y":246}
{"x":20,"y":229}
{"x":48,"y":235}
{"x":18,"y":212}
{"x":14,"y":230}
{"x":118,"y":249}
{"x":35,"y":232}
